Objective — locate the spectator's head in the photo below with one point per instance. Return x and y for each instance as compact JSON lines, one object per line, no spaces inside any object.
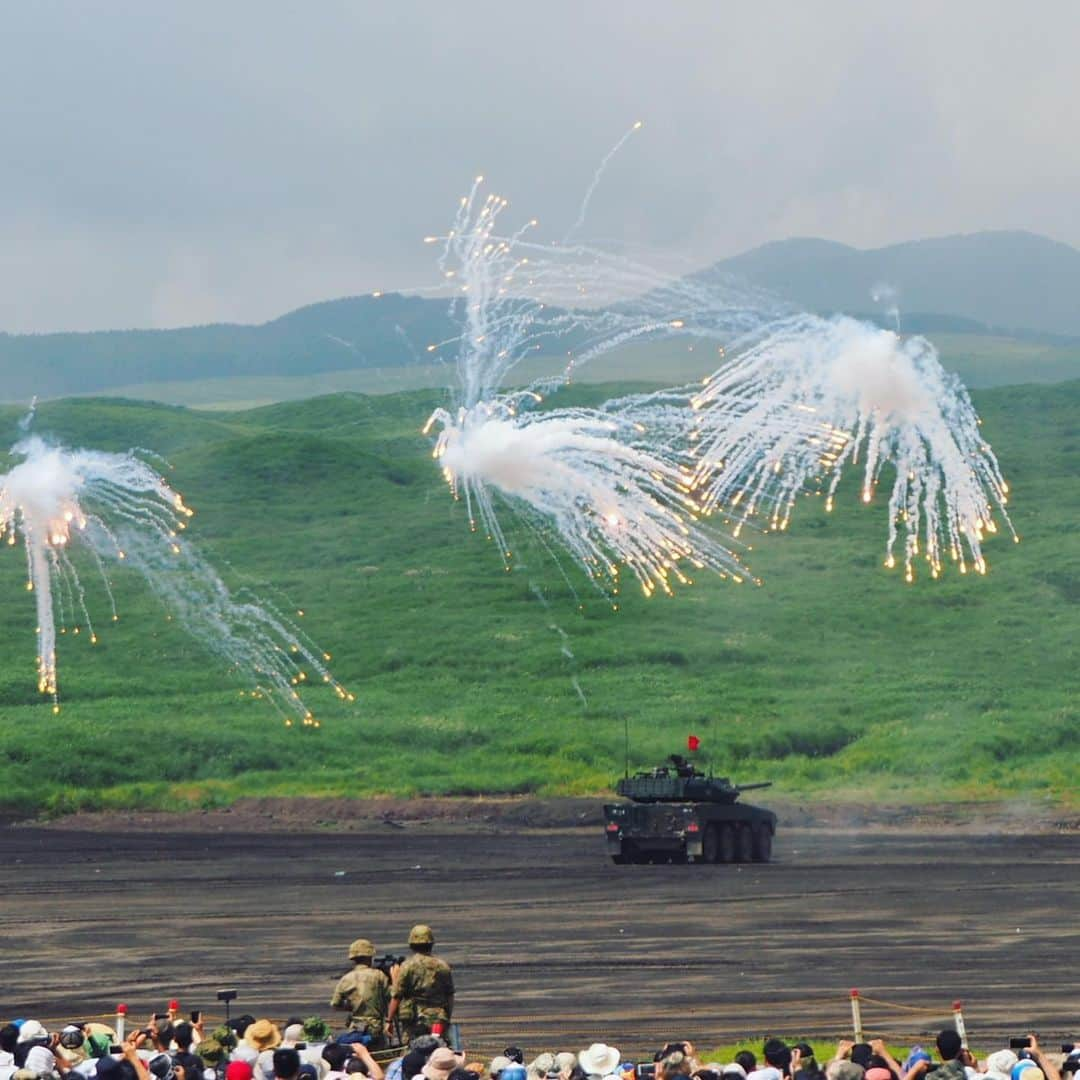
{"x":673,"y":1065}
{"x":31,"y":1031}
{"x":183,"y":1035}
{"x":464,"y":1074}
{"x":293,"y":1033}
{"x":949,"y":1044}
{"x":308,"y":1071}
{"x":108,"y":1068}
{"x":162,"y":1033}
{"x":9,"y":1036}
{"x":843,"y":1069}
{"x":599,"y":1059}
{"x":421,"y":938}
{"x":746,"y":1060}
{"x":335,"y":1055}
{"x":1024,"y":1069}
{"x":498,"y":1063}
{"x":316,"y":1030}
{"x":238,"y":1070}
{"x":413,"y":1062}
{"x":40,"y":1060}
{"x":542,"y":1066}
{"x":777,"y":1053}
{"x":443,"y":1062}
{"x":734,"y":1071}
{"x":355,"y":1065}
{"x":161,"y":1067}
{"x":263,"y":1035}
{"x":286,"y":1063}
{"x":242,"y":1023}
{"x":999,"y":1065}
{"x":515,"y":1053}
{"x":861,"y":1053}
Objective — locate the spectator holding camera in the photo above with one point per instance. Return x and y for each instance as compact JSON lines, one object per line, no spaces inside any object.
{"x":1032,"y":1060}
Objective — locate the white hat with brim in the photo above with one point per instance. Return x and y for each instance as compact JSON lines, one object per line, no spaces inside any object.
{"x":599,"y":1059}
{"x":1001,"y":1062}
{"x":31,"y":1029}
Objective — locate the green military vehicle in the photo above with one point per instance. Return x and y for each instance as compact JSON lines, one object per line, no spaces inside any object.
{"x":678,"y":814}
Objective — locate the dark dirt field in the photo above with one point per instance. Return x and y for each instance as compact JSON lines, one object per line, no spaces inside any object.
{"x":552,"y":946}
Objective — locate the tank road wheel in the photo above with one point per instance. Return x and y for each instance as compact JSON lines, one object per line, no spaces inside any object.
{"x":744,"y":844}
{"x":727,"y":843}
{"x":710,"y":845}
{"x":763,"y":844}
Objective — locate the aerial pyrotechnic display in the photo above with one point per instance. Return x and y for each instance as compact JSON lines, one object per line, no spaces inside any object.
{"x":796,"y":400}
{"x":613,"y":496}
{"x":810,"y":396}
{"x":116,"y":510}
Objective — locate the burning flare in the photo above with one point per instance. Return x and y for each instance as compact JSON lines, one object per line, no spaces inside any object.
{"x":811,"y":396}
{"x":115,"y":507}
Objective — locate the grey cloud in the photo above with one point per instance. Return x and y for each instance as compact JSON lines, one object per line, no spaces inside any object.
{"x":169,"y":163}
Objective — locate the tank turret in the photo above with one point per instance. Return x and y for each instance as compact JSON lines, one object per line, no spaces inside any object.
{"x":679,"y":781}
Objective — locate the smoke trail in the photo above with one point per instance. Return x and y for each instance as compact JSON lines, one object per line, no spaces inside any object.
{"x":597,"y":176}
{"x":119,"y":509}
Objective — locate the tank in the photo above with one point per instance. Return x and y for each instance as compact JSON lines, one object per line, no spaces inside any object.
{"x":676,"y":813}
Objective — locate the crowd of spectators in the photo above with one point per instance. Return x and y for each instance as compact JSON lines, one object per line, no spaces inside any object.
{"x":259,"y":1049}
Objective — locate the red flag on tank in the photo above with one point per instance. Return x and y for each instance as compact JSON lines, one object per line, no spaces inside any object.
{"x":692,"y":742}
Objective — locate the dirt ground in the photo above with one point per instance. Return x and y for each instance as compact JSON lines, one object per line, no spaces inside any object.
{"x":552,"y":946}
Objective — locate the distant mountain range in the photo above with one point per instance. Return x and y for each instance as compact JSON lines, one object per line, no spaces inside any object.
{"x":1012,"y":283}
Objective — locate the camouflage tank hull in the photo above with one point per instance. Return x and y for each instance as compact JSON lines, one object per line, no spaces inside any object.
{"x":709,"y":832}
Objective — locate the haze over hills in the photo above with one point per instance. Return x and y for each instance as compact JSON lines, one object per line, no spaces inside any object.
{"x":1014,"y":281}
{"x":979,"y":286}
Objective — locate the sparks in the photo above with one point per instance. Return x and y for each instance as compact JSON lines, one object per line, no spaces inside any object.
{"x":118,"y":508}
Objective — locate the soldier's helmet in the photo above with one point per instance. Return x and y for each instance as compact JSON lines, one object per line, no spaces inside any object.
{"x":361,"y":947}
{"x":421,"y":935}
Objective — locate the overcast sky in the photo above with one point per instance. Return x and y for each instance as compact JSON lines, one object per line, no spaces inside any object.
{"x":173,"y":163}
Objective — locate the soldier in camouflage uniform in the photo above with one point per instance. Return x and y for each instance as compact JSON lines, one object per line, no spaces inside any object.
{"x":423,"y":992}
{"x":365,"y":992}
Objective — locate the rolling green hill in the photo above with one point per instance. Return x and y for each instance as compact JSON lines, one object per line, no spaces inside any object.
{"x":834,"y":678}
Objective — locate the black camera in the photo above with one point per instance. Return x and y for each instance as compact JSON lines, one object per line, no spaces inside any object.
{"x":645,"y":1070}
{"x":385,"y":962}
{"x":226,"y":995}
{"x":1021,"y":1042}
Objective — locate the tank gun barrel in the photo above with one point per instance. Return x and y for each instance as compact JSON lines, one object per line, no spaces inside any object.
{"x":754,"y":787}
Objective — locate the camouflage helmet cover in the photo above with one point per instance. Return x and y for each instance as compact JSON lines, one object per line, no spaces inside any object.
{"x":421,"y":935}
{"x":361,"y":947}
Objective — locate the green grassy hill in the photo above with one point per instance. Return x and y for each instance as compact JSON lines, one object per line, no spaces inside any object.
{"x":834,"y":678}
